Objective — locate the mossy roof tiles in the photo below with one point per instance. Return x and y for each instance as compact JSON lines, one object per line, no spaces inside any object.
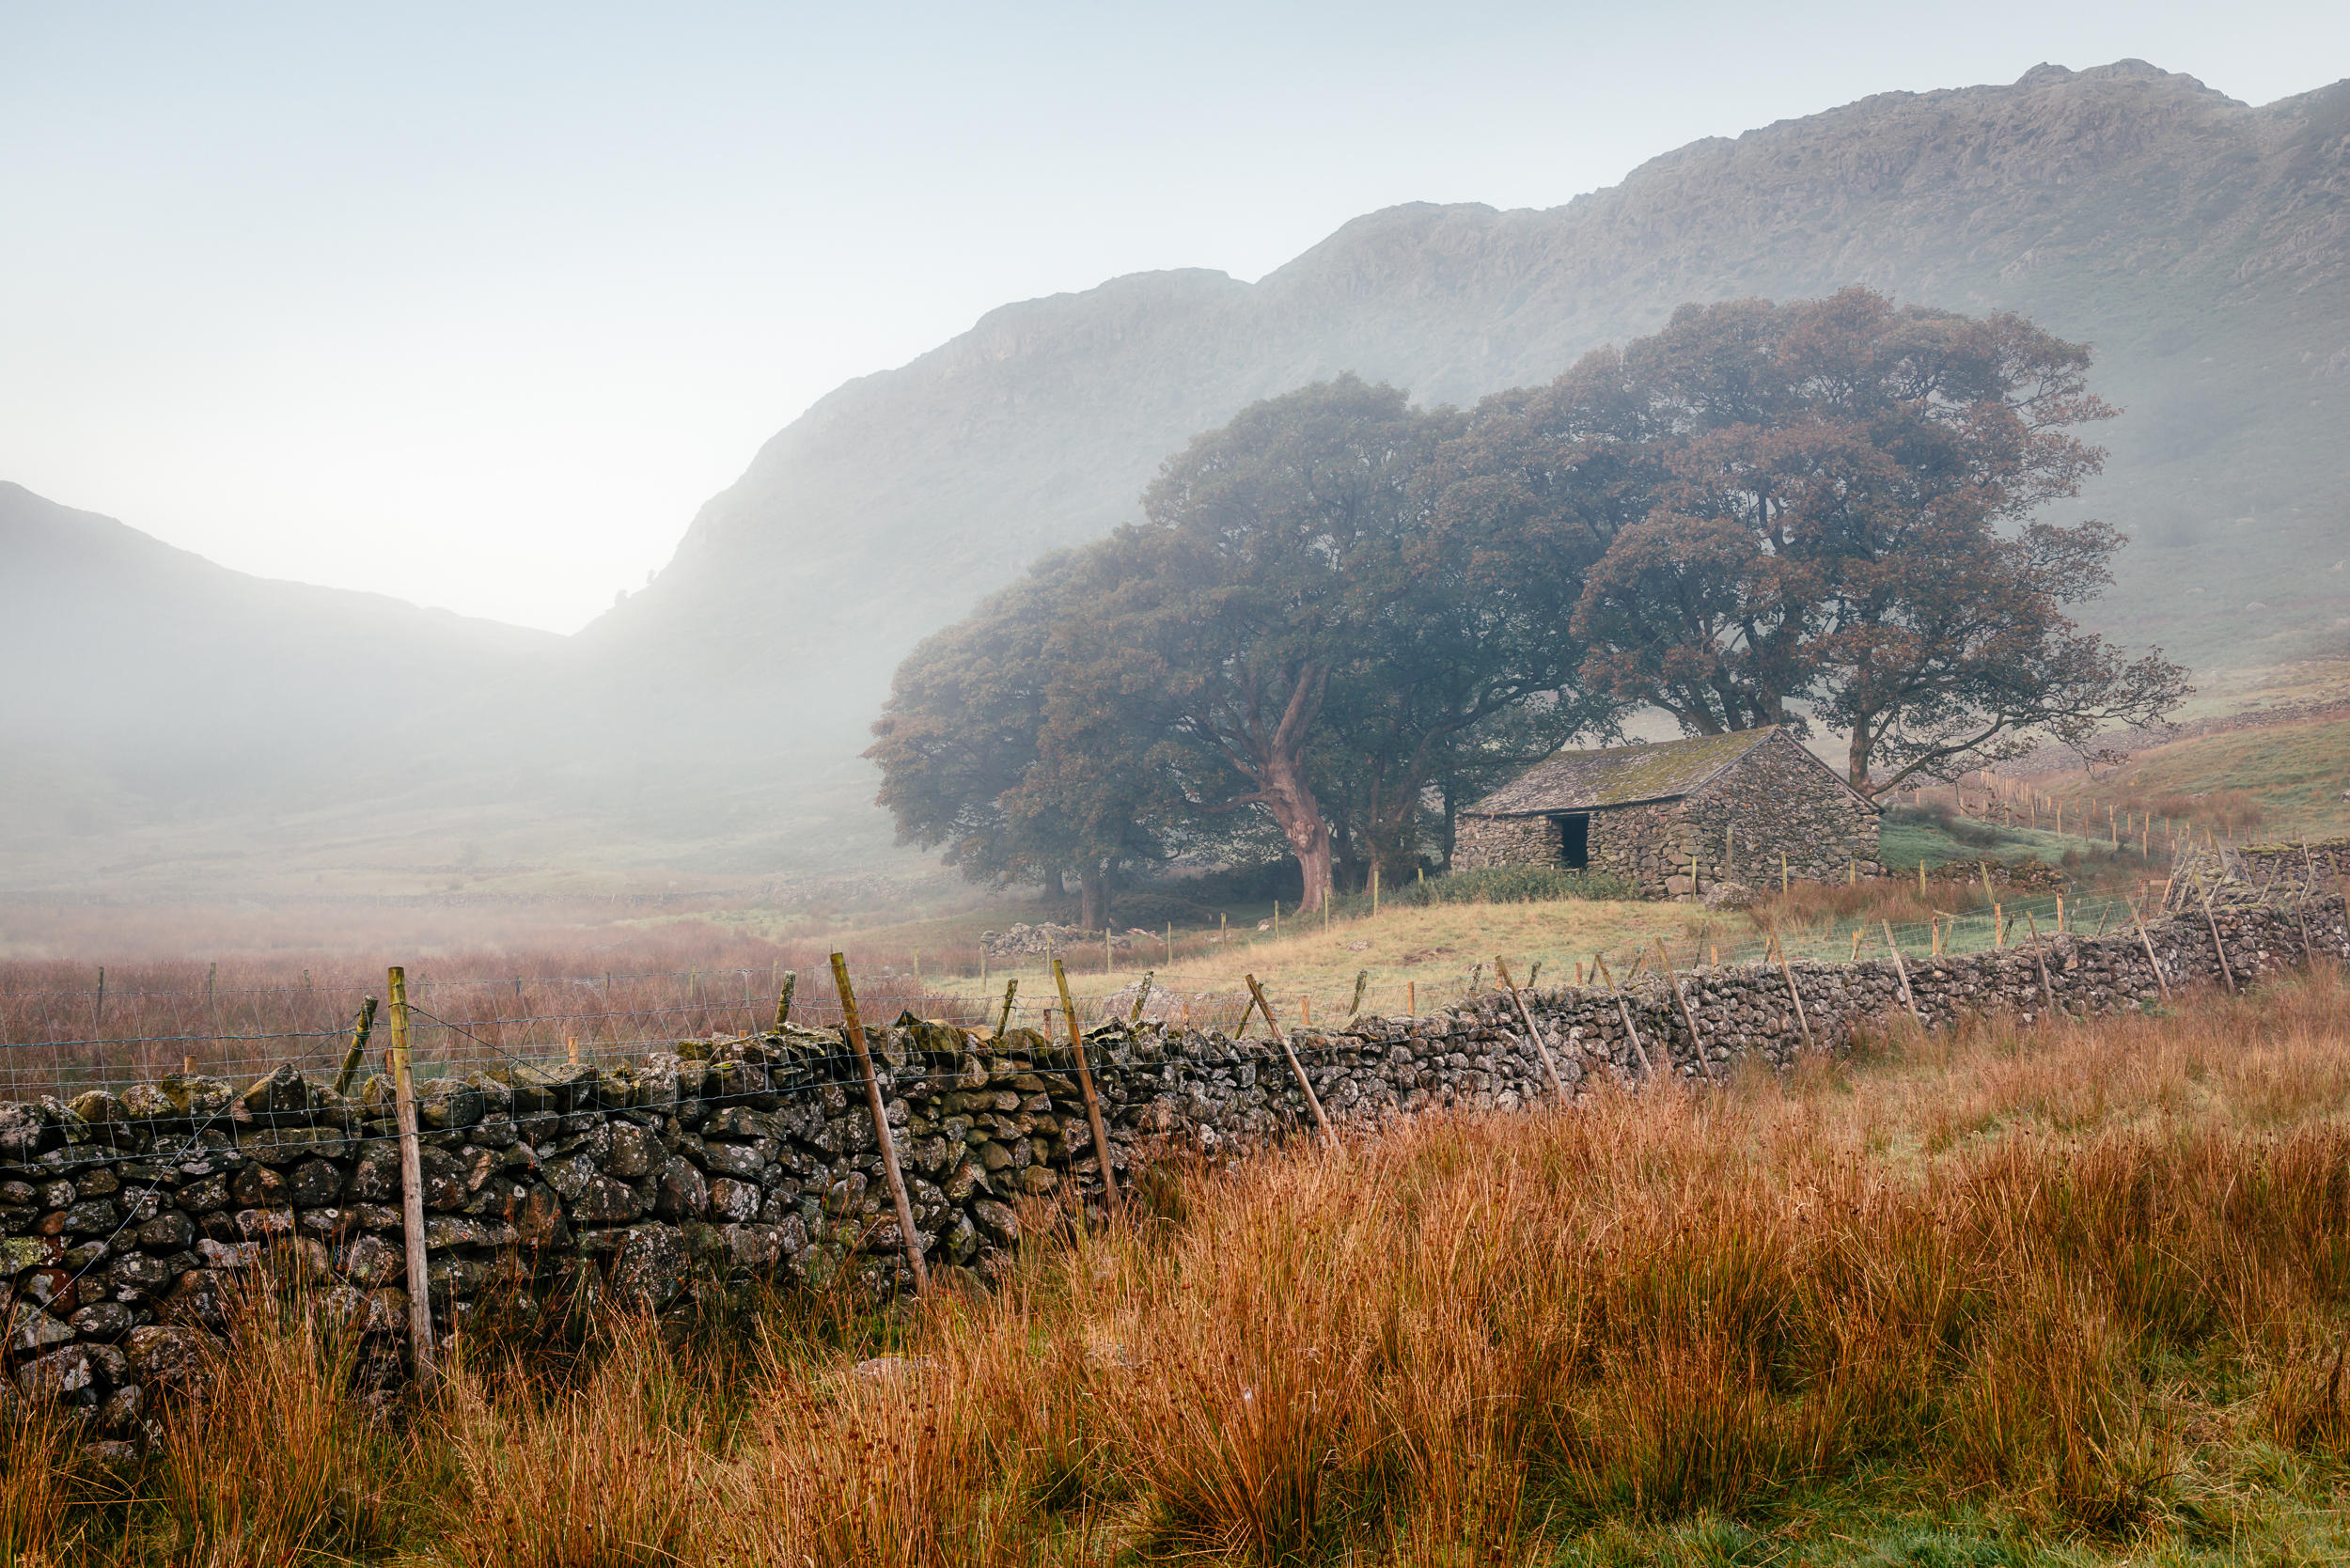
{"x":1619,"y":776}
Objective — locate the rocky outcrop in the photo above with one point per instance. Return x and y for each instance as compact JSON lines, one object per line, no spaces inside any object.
{"x":127,"y":1220}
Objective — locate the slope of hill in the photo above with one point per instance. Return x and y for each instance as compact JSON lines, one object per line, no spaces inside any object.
{"x":713,"y":721}
{"x":144,"y":673}
{"x":2201,"y":244}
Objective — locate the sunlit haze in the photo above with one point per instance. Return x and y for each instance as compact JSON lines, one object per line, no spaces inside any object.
{"x":477,"y":306}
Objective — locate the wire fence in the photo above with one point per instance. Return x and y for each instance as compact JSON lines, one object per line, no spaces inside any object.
{"x":101,"y":1036}
{"x":66,"y":1041}
{"x":65,"y":1036}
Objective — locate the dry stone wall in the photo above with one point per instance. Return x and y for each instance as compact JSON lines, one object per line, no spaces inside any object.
{"x":2294,"y":863}
{"x":127,"y":1219}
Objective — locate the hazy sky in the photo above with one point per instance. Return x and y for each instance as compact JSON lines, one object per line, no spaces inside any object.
{"x":474,"y":305}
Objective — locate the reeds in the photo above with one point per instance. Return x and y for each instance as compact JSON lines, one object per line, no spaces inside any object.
{"x":2084,"y":1280}
{"x":270,"y":1457}
{"x":40,"y":1482}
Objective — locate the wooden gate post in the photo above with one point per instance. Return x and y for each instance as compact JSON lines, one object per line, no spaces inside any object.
{"x":411,"y":1186}
{"x":854,"y":1028}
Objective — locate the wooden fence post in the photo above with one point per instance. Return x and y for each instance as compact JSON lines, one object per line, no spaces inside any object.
{"x":1313,"y":1102}
{"x":1085,"y":1084}
{"x":1795,"y":995}
{"x":1541,"y":1046}
{"x":1003,"y":1019}
{"x":361,"y":1027}
{"x":2300,"y":913}
{"x":410,"y":1185}
{"x":854,"y":1028}
{"x":1688,"y":1019}
{"x":2218,"y":947}
{"x":1142,"y":996}
{"x":1903,"y":970}
{"x":1623,"y":1010}
{"x":783,"y":999}
{"x":2039,"y":956}
{"x":2160,"y":982}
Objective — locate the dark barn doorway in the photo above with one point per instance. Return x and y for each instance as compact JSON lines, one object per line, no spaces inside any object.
{"x":1575,"y":840}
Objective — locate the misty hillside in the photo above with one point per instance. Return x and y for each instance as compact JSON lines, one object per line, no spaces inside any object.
{"x":139,"y":673}
{"x":713,"y":720}
{"x":2204,"y":247}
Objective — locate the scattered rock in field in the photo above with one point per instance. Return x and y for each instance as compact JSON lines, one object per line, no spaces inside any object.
{"x":1025,"y":941}
{"x":1729,"y":895}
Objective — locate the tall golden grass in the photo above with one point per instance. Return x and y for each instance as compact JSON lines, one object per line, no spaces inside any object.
{"x":2087,"y":1283}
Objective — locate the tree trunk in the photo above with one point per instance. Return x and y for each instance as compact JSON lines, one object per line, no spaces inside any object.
{"x":1093,"y":898}
{"x":1301,"y":821}
{"x":1856,"y":759}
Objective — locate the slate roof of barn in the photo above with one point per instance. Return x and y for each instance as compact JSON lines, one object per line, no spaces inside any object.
{"x":1622,"y":775}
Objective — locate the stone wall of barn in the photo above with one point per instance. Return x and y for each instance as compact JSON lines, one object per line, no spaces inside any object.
{"x":1776,"y":800}
{"x":126,"y":1221}
{"x":1643,"y":844}
{"x":1779,"y":800}
{"x":1485,"y":843}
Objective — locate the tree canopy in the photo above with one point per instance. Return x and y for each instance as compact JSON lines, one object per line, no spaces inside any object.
{"x":1343,"y":616}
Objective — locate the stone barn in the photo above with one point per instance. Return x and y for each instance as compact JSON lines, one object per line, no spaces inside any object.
{"x":1733,"y":804}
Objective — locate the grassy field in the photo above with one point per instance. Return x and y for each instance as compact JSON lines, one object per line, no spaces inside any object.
{"x":1413,"y":956}
{"x":2293,"y":774}
{"x":2065,"y":1296}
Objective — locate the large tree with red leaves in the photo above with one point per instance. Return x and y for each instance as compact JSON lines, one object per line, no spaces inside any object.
{"x":1835,"y":502}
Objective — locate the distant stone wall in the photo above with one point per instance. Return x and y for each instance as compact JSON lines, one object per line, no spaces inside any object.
{"x":2292,"y":864}
{"x":1776,"y":800}
{"x":124,"y":1220}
